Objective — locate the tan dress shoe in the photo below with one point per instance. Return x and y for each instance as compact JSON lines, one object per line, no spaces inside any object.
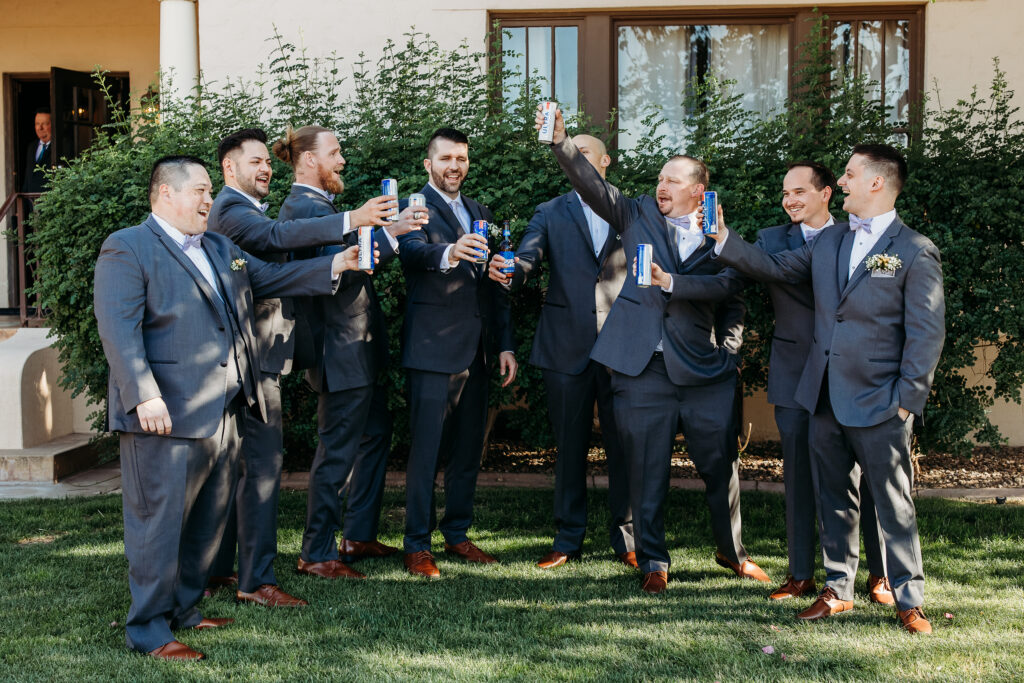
{"x":654,"y":583}
{"x":208,"y":622}
{"x":422,"y":563}
{"x":469,"y":552}
{"x":556,"y":559}
{"x":350,"y":551}
{"x":827,"y":604}
{"x":793,"y":589}
{"x":879,"y":590}
{"x":269,"y":595}
{"x":628,"y":559}
{"x":914,"y":620}
{"x":747,"y":570}
{"x":176,"y":651}
{"x":331,"y":569}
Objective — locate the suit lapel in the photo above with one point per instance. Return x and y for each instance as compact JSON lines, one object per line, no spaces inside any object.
{"x":843,"y":260}
{"x":441,"y":207}
{"x":794,"y":237}
{"x":220,"y":270}
{"x":187,"y":264}
{"x":883,"y":243}
{"x":579,"y":217}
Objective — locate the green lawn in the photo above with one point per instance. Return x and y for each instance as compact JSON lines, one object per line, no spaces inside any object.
{"x":63,"y":586}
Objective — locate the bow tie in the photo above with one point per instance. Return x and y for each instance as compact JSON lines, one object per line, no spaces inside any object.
{"x":263,"y":207}
{"x":682,"y":222}
{"x":860,"y":224}
{"x":192,"y":241}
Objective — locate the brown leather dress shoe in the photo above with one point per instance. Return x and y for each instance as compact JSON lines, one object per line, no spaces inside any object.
{"x":350,"y":551}
{"x":747,"y":570}
{"x":628,"y":559}
{"x":176,"y":651}
{"x":469,"y":552}
{"x":879,"y":590}
{"x":914,"y":620}
{"x":793,"y":589}
{"x":269,"y":595}
{"x":556,"y":559}
{"x":654,"y":583}
{"x":827,"y":604}
{"x":421,"y":563}
{"x":331,"y":569}
{"x":209,"y":622}
{"x":216,"y":582}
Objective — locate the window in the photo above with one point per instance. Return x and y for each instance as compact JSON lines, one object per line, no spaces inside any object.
{"x":880,"y":51}
{"x":547,"y":56}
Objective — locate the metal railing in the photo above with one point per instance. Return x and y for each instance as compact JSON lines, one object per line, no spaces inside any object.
{"x":19,"y":205}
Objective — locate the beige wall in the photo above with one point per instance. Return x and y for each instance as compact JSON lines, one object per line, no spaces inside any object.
{"x":119,"y":35}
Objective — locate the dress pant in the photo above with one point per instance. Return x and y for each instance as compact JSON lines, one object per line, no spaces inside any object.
{"x":252,"y":521}
{"x":341,"y":419}
{"x":801,"y":509}
{"x":364,"y":491}
{"x":648,"y":409}
{"x":447,"y":416}
{"x":882,"y":455}
{"x":176,"y":494}
{"x":571,"y":408}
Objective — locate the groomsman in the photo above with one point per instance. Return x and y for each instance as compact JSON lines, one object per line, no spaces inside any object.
{"x":239,"y":214}
{"x":587,"y":270}
{"x":174,"y":309}
{"x":806,"y":192}
{"x":879,"y":326}
{"x":351,"y":347}
{"x":455,"y":319}
{"x":672,"y":351}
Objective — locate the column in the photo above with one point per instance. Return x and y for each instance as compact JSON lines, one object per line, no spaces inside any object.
{"x":179,"y":51}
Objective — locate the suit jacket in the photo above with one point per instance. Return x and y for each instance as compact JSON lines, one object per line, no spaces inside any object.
{"x":581,"y":287}
{"x":233,"y":215}
{"x":794,"y":320}
{"x":879,"y":337}
{"x":165,"y":331}
{"x":350,"y":338}
{"x":700,"y":323}
{"x":450,"y":314}
{"x":34,"y":180}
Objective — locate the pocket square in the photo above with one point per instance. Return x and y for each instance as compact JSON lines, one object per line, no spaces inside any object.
{"x":883,"y":273}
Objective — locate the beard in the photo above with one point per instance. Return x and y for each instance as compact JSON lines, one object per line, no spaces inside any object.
{"x":249,"y":186}
{"x":449,"y":186}
{"x":330,"y":180}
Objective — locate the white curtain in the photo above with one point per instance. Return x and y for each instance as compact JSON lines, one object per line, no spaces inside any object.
{"x":757,"y":58}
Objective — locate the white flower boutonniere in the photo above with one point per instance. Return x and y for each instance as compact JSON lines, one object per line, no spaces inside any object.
{"x":238,"y":264}
{"x":883,"y":265}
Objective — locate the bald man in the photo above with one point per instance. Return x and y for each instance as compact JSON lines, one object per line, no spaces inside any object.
{"x":587,"y":269}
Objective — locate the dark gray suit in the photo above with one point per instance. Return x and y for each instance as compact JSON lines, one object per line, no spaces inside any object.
{"x":454,"y":322}
{"x":582,"y":286}
{"x":167,"y":333}
{"x":34,"y":180}
{"x":693,"y":380}
{"x":354,"y":424}
{"x":791,"y":345}
{"x":874,"y":349}
{"x":253,"y":519}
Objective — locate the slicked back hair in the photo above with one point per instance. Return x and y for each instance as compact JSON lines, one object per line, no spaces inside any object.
{"x":821,"y":176}
{"x":451,"y":134}
{"x":885,"y":161}
{"x":698,"y":169}
{"x":171,"y":170}
{"x":235,"y":141}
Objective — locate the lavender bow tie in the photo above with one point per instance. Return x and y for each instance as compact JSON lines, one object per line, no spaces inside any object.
{"x":263,"y":207}
{"x":860,"y":224}
{"x":192,"y":241}
{"x":682,"y":222}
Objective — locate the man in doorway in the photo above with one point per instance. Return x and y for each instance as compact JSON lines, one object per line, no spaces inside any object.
{"x":38,"y":155}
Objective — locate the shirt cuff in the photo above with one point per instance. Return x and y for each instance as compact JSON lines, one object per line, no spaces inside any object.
{"x":718,"y":245}
{"x":391,"y":240}
{"x":445,"y":263}
{"x":347,"y":227}
{"x":671,"y":284}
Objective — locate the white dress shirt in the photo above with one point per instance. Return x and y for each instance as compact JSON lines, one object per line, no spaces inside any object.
{"x":196,"y":255}
{"x":864,"y":242}
{"x":687,"y":241}
{"x":598,"y":226}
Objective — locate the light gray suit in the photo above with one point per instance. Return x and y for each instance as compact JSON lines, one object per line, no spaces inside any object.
{"x":875,"y":346}
{"x":167,"y":333}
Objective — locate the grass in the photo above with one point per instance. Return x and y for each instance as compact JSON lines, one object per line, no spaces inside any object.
{"x":64,"y":595}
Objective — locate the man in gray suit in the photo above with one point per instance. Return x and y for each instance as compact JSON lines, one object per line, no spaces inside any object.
{"x":672,"y":351}
{"x":587,"y":270}
{"x":174,"y":309}
{"x":806,"y":191}
{"x":350,"y":352}
{"x":239,"y":214}
{"x":879,"y":326}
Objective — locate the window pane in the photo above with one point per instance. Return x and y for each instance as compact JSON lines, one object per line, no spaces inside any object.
{"x":757,"y":58}
{"x":538,"y":58}
{"x":514,"y":41}
{"x":897,"y":69}
{"x":879,"y":51}
{"x":653,"y":70}
{"x":567,"y":68}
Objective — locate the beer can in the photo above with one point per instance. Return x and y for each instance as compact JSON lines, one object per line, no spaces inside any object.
{"x":389,"y":187}
{"x":417,"y":199}
{"x":481,"y":228}
{"x":366,"y":259}
{"x":643,"y":265}
{"x":547,"y":129}
{"x":710,"y":213}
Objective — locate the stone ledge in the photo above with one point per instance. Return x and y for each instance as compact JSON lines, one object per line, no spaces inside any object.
{"x":48,"y":462}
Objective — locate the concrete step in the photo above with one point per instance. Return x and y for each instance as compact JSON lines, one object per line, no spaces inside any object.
{"x":48,"y":462}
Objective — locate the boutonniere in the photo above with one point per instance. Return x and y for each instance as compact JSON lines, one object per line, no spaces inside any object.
{"x":238,"y":264}
{"x":883,"y":265}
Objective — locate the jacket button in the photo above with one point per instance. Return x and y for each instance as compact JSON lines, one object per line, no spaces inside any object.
{"x":593,"y":310}
{"x":221,"y":328}
{"x":223,"y":363}
{"x":826,"y":352}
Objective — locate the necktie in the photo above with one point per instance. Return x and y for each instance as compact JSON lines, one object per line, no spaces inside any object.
{"x":860,"y":224}
{"x":460,"y":212}
{"x":41,"y":151}
{"x":192,"y":241}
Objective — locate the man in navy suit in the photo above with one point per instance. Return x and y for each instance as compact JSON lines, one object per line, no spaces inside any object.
{"x":806,"y":191}
{"x":587,"y":268}
{"x":456,"y":322}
